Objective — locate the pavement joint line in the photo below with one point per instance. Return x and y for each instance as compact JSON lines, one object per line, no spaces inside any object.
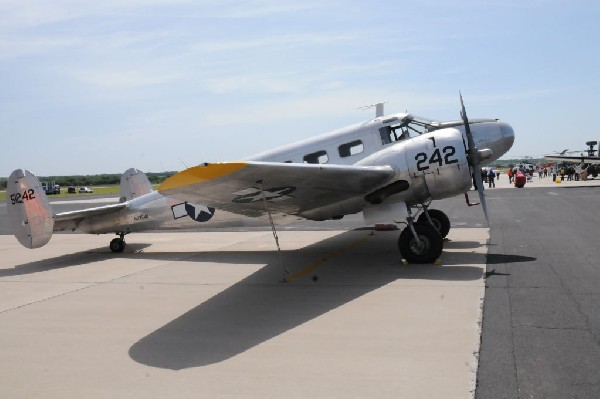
{"x":46,"y":299}
{"x":480,"y":314}
{"x":114,"y":280}
{"x":94,"y":284}
{"x":89,"y":285}
{"x":552,"y":328}
{"x":314,"y":266}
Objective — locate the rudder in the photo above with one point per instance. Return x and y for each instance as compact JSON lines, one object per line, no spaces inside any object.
{"x":30,"y":215}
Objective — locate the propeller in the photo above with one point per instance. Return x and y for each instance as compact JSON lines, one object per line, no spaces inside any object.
{"x":474,"y":159}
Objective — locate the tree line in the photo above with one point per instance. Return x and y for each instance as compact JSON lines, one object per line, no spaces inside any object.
{"x":93,"y":180}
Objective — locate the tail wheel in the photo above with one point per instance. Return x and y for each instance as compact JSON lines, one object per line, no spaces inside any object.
{"x":439,"y":219}
{"x":117,"y":245}
{"x":426,"y":249}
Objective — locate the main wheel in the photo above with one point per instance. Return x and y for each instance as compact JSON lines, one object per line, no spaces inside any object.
{"x":440,"y":221}
{"x":426,"y":250}
{"x":117,"y":245}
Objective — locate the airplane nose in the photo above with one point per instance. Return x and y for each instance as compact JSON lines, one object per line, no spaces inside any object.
{"x":508,"y":135}
{"x":495,"y":136}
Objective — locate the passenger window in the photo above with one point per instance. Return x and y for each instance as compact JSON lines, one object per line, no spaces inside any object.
{"x":316,"y":157}
{"x":353,"y":148}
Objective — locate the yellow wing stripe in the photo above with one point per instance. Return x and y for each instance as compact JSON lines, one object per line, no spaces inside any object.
{"x":199,"y":174}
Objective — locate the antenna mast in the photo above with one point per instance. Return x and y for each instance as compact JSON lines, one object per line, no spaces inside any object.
{"x":378,"y":108}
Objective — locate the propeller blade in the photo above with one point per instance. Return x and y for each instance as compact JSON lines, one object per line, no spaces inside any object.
{"x":463,"y":115}
{"x":479,"y":182}
{"x":473,"y":158}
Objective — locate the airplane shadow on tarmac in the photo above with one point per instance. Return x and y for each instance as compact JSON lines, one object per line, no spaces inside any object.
{"x":498,"y":259}
{"x":259,"y":308}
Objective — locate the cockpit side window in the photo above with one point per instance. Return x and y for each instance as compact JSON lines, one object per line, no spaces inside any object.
{"x":386,"y":135}
{"x":390,"y":134}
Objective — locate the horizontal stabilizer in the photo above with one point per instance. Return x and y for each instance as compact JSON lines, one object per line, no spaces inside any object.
{"x":89,"y":212}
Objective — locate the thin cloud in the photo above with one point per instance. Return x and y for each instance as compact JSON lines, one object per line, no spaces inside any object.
{"x":268,"y":41}
{"x":123,"y":77}
{"x":17,"y":47}
{"x":256,"y":9}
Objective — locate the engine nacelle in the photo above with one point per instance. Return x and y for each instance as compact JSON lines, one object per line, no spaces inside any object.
{"x":432,"y":166}
{"x":29,"y":212}
{"x":440,"y":159}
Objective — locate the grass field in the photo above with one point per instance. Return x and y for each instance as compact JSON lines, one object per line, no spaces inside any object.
{"x":100,"y":190}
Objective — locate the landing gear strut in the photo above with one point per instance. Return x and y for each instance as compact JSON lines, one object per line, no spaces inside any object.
{"x":420,"y":242}
{"x":118,"y":244}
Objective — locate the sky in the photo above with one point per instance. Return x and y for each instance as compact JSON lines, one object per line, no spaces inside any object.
{"x":99,"y":87}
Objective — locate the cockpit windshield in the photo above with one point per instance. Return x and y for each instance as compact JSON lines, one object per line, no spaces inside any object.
{"x":405,"y":128}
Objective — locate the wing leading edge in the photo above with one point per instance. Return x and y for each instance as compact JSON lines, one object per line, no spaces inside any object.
{"x":311,"y":191}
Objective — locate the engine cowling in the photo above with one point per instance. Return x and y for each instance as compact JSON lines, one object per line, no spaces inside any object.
{"x":439,"y":158}
{"x":433,"y":165}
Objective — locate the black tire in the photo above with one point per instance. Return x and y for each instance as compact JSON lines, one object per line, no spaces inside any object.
{"x":432,"y":244}
{"x":440,"y":221}
{"x":117,"y":245}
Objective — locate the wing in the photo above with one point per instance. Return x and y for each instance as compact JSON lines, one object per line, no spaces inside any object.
{"x":574,"y":159}
{"x":311,"y":191}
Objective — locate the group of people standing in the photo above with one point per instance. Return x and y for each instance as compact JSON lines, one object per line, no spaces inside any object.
{"x":489,"y":177}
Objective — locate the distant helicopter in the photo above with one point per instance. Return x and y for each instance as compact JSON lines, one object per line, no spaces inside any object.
{"x":590,"y":163}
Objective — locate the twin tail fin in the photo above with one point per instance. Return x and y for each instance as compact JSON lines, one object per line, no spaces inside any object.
{"x":134,"y":183}
{"x":30,"y":215}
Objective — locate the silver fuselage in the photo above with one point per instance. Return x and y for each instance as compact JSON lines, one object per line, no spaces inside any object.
{"x":379,"y":145}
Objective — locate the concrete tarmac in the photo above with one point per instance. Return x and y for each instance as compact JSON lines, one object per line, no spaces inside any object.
{"x":204,"y":314}
{"x":193,"y":315}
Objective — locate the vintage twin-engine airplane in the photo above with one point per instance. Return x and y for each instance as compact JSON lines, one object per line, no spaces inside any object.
{"x":386,"y":168}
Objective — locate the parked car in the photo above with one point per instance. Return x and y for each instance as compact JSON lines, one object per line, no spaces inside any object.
{"x":50,"y":188}
{"x":71,"y":190}
{"x":85,"y":190}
